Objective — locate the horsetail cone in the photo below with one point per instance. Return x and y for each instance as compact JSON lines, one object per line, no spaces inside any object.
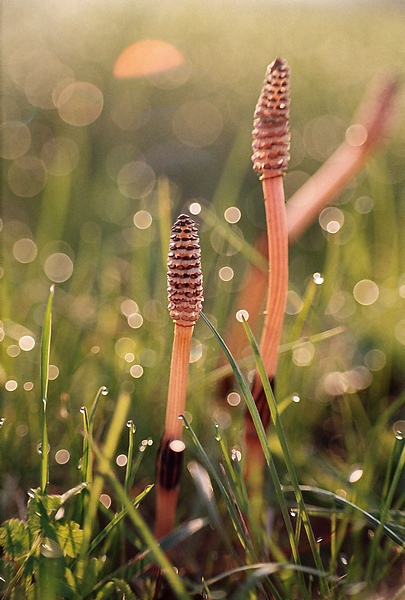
{"x":184,"y":276}
{"x":271,"y":135}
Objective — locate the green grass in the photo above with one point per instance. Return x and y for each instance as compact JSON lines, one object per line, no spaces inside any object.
{"x":335,"y":469}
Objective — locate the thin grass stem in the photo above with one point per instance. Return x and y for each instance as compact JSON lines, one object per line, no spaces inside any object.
{"x":386,"y":505}
{"x":111,"y":442}
{"x":45,"y":353}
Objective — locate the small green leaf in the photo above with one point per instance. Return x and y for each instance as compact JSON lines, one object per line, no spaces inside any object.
{"x":15,"y":539}
{"x":107,"y":591}
{"x":69,"y":536}
{"x":89,"y":582}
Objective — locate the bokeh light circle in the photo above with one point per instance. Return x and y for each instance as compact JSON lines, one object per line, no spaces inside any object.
{"x":25,"y":250}
{"x":136,"y":180}
{"x":331,"y":219}
{"x":136,"y":371}
{"x":80,"y":103}
{"x":142,"y":219}
{"x":27,"y":176}
{"x":195,"y":208}
{"x":366,"y":292}
{"x":26,"y":343}
{"x":226,"y":273}
{"x":60,"y":156}
{"x":58,"y":267}
{"x":135,"y":320}
{"x":232,"y":214}
{"x":15,"y":139}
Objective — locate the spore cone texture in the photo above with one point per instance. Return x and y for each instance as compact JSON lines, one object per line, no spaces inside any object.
{"x":271,"y":135}
{"x":184,"y":276}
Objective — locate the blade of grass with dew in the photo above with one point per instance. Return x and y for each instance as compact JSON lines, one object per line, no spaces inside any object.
{"x":266,"y":450}
{"x":203,"y":484}
{"x":287,"y":457}
{"x":117,"y":519}
{"x":113,"y":435}
{"x":104,"y":462}
{"x":128,"y":472}
{"x":237,"y":483}
{"x":241,"y":533}
{"x":45,"y":353}
{"x":367,"y":515}
{"x":399,"y":444}
{"x":101,"y":392}
{"x":86,"y":467}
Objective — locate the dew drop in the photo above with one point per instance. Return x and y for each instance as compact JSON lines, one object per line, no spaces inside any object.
{"x":104,"y":391}
{"x":83,"y":410}
{"x":39,"y":448}
{"x":318,"y":278}
{"x":236,"y":455}
{"x":399,"y":430}
{"x":131,"y":425}
{"x":296,"y":398}
{"x":51,"y":549}
{"x":2,"y":420}
{"x":293,"y":513}
{"x":343,"y":559}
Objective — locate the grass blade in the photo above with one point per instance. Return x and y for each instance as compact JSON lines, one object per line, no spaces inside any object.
{"x":287,"y":458}
{"x":44,"y":365}
{"x":266,"y":450}
{"x":143,"y":530}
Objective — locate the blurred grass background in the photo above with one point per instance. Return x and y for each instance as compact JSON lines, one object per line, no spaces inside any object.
{"x":89,"y":197}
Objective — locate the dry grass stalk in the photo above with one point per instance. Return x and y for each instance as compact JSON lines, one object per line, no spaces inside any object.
{"x":185,"y":296}
{"x":271,"y":142}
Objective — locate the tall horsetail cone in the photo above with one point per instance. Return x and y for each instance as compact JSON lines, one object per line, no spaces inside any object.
{"x":184,"y":276}
{"x":185,"y":295}
{"x":271,"y":135}
{"x":271,"y":144}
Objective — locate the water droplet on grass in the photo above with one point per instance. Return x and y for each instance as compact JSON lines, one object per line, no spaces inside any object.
{"x":318,"y":278}
{"x":399,"y":430}
{"x":104,"y":391}
{"x":83,"y":410}
{"x":39,"y":448}
{"x":236,"y":455}
{"x":2,"y":420}
{"x":131,"y":425}
{"x":296,"y":398}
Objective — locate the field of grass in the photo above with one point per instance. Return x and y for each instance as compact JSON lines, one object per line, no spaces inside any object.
{"x":88,"y":198}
